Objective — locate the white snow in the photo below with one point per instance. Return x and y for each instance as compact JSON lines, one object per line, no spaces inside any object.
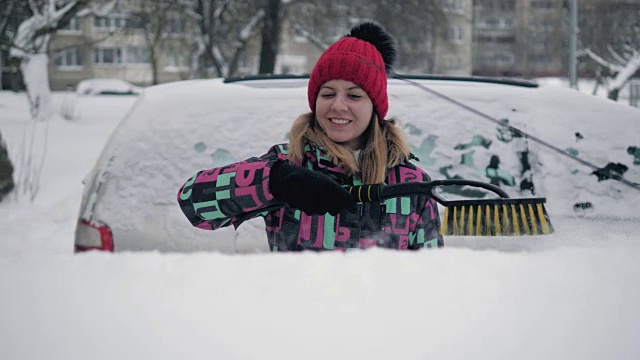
{"x":570,"y":295}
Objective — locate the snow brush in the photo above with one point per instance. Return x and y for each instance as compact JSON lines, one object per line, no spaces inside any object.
{"x":503,"y":216}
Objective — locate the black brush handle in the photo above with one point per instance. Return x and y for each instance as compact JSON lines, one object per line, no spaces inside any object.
{"x":375,"y":192}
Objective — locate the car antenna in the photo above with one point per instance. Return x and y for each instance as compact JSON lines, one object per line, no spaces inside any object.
{"x":498,"y":122}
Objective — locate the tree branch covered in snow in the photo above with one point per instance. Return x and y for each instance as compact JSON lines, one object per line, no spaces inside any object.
{"x":59,"y":18}
{"x":223,"y":30}
{"x":6,"y":14}
{"x":623,"y":69}
{"x":610,"y":38}
{"x":600,"y":60}
{"x":312,"y":38}
{"x":623,"y":76}
{"x":30,"y":45}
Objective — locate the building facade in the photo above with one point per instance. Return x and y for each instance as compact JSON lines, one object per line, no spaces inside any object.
{"x":523,"y":38}
{"x":454,"y":48}
{"x":118,"y":46}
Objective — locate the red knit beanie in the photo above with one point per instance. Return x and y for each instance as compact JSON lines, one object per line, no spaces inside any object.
{"x":363,"y":57}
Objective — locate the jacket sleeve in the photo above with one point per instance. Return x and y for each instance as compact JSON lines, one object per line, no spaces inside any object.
{"x":219,"y":197}
{"x":427,"y":230}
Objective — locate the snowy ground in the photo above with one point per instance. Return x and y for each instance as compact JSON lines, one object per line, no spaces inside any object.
{"x":571,"y":295}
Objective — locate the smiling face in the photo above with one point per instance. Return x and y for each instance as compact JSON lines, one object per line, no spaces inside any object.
{"x":344,"y":111}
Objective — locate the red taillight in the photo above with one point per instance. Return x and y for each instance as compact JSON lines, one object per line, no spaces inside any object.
{"x":93,"y":237}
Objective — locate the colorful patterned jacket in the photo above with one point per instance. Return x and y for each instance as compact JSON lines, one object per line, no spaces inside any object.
{"x":222,"y":196}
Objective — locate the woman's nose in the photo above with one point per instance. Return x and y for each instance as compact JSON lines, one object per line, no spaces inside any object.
{"x":339,"y":104}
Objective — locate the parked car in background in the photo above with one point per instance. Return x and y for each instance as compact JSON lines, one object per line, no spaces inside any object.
{"x":107,"y":87}
{"x":458,"y":127}
{"x":93,"y":93}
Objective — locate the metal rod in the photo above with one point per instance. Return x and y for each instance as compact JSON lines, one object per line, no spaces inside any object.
{"x":573,"y":45}
{"x":496,"y":121}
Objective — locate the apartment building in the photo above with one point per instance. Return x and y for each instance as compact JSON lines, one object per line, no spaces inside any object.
{"x":116,"y":46}
{"x":524,"y":38}
{"x":452,"y":52}
{"x":454,"y":48}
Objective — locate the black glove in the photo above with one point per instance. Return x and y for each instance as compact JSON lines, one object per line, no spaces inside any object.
{"x":310,"y":191}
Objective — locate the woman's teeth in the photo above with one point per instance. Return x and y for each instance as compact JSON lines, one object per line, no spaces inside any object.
{"x":339,"y":121}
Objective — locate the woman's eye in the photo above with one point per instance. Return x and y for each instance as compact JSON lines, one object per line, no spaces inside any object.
{"x":327,"y":95}
{"x":355,"y":96}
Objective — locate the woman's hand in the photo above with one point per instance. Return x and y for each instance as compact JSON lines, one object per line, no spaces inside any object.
{"x":310,"y":191}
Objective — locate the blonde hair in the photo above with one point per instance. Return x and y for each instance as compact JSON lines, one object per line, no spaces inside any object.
{"x":385,"y":147}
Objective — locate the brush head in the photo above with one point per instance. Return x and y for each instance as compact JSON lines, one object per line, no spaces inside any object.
{"x":496,"y":217}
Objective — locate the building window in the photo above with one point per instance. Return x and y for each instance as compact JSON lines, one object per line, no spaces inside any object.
{"x":116,"y":55}
{"x":177,"y":62}
{"x":455,"y":33}
{"x":504,"y":59}
{"x":542,"y":4}
{"x":508,"y":39}
{"x":454,"y":6}
{"x":501,"y":23}
{"x":543,"y":24}
{"x":108,"y":56}
{"x":500,"y":59}
{"x":540,"y":59}
{"x":136,"y":20}
{"x":452,"y":63}
{"x":73,"y":26}
{"x":507,"y":5}
{"x":110,"y":23}
{"x":137,"y":55}
{"x":71,"y":57}
{"x":176,"y":26}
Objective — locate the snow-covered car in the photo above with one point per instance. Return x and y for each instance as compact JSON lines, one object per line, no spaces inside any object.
{"x":107,"y":87}
{"x":552,"y":142}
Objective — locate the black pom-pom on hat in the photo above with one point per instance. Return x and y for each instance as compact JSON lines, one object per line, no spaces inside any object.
{"x":376,"y":35}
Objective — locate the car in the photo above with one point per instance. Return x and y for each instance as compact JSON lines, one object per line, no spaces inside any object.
{"x":92,"y":93}
{"x":107,"y":87}
{"x":530,"y":140}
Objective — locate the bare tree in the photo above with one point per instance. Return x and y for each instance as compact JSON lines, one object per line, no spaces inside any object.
{"x":30,"y":45}
{"x":223,"y":31}
{"x":12,"y":14}
{"x":610,"y":40}
{"x":225,"y":28}
{"x":416,"y":25}
{"x":159,"y":21}
{"x":271,"y":34}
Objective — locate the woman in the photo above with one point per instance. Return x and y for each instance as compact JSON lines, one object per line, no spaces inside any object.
{"x":345,"y":140}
